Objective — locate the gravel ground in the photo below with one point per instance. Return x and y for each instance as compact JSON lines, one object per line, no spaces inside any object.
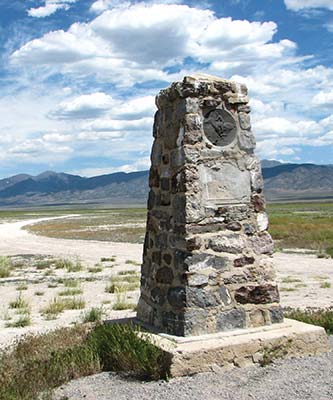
{"x":292,"y":379}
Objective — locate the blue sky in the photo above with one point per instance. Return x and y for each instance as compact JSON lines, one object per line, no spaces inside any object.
{"x":78,"y":77}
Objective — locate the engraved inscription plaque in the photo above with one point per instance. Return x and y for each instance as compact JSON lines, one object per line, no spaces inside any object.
{"x":220,"y":127}
{"x":225,"y":185}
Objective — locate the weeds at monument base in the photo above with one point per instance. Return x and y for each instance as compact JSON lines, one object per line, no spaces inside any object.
{"x":39,"y":363}
{"x":323,"y":318}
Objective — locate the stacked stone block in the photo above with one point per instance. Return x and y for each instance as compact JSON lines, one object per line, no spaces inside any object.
{"x":207,"y":255}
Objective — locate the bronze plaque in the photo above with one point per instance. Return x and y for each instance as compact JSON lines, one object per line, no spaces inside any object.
{"x":220,"y":127}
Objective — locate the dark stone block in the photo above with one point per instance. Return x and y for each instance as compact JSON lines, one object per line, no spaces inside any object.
{"x":262,"y":294}
{"x":229,"y":320}
{"x":240,"y":262}
{"x":173,"y":323}
{"x":258,"y":203}
{"x":193,"y":243}
{"x":165,"y":159}
{"x":234,"y":226}
{"x":224,"y":295}
{"x":198,"y":297}
{"x":195,"y":322}
{"x":165,"y":199}
{"x":205,"y":260}
{"x":151,"y":200}
{"x":157,"y":296}
{"x":154,"y":178}
{"x":165,"y":183}
{"x":261,"y":243}
{"x":179,"y":259}
{"x":164,"y":275}
{"x":249,"y":229}
{"x":179,"y":214}
{"x":156,"y":257}
{"x":177,"y":297}
{"x":161,"y":241}
{"x":167,"y":258}
{"x":276,"y":314}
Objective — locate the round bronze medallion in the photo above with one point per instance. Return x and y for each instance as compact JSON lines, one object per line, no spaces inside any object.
{"x":220,"y":127}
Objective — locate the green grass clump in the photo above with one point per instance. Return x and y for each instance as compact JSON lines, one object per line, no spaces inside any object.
{"x":95,"y":314}
{"x":329,"y":251}
{"x":132,"y":262}
{"x":5,"y":266}
{"x":73,"y":303}
{"x":19,"y":303}
{"x":287,"y":289}
{"x":128,"y":272}
{"x":39,"y":293}
{"x":44,"y":264}
{"x":70,"y":292}
{"x":115,"y":288}
{"x":325,"y":285}
{"x":71,"y":283}
{"x":290,"y":279}
{"x":122,"y":303}
{"x":323,"y":318}
{"x":95,"y":269}
{"x":108,"y":259}
{"x":53,"y":309}
{"x":22,"y":286}
{"x":21,"y":322}
{"x":57,"y":306}
{"x":71,"y":266}
{"x":39,"y":363}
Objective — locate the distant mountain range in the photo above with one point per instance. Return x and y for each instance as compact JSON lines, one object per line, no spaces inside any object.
{"x":282,"y":182}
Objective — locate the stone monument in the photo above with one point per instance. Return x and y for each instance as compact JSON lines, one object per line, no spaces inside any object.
{"x":207,"y":265}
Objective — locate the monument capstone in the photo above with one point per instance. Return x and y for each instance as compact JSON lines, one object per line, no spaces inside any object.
{"x":206,"y":265}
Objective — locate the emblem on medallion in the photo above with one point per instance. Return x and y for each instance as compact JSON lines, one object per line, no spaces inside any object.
{"x":220,"y":127}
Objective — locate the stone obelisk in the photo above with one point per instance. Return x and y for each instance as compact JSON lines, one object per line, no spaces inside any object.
{"x":207,"y":265}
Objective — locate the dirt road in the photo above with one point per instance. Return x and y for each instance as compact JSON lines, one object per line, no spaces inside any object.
{"x":305,"y":280}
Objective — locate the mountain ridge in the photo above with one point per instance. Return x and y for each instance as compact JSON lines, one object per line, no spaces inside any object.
{"x":282,"y":182}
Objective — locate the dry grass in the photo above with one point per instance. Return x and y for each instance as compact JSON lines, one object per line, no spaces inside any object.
{"x":120,"y":225}
{"x":308,"y":225}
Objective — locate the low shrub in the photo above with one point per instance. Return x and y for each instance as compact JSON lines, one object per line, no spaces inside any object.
{"x":323,"y":318}
{"x":39,"y":363}
{"x":95,"y":314}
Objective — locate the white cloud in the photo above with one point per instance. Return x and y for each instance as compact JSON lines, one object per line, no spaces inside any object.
{"x":134,"y":43}
{"x":323,"y":99}
{"x":126,"y":44}
{"x":94,"y":136}
{"x":89,"y":106}
{"x":297,"y":5}
{"x":101,"y":125}
{"x":49,"y":8}
{"x":102,"y":5}
{"x":57,"y":137}
{"x":135,"y":108}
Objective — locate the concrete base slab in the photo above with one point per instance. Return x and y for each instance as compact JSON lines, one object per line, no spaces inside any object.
{"x":240,"y":348}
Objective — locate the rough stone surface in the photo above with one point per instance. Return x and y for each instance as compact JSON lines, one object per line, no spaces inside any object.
{"x":207,"y":250}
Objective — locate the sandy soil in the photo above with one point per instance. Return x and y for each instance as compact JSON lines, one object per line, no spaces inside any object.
{"x":305,"y":281}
